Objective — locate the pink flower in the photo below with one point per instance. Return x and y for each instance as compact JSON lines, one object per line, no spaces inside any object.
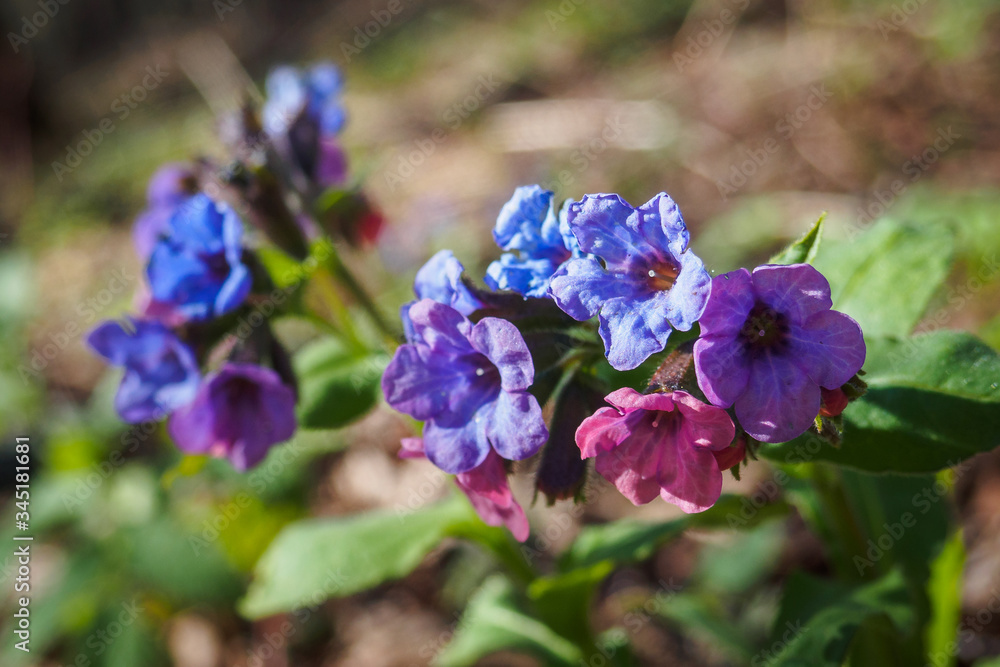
{"x":487,"y":489}
{"x":659,"y":444}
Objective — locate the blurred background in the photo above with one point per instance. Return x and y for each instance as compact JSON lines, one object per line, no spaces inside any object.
{"x":755,"y":115}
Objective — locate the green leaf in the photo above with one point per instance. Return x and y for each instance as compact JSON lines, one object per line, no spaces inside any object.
{"x":316,"y":559}
{"x":804,"y":250}
{"x":629,"y":541}
{"x":563,"y":600}
{"x":945,"y":592}
{"x":336,"y":385}
{"x":933,"y":401}
{"x":886,"y":277}
{"x":819,"y":619}
{"x":707,"y":620}
{"x":494,"y":622}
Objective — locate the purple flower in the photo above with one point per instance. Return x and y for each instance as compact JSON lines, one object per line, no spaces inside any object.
{"x":642,"y":278}
{"x":197,"y":268}
{"x":161,"y":373}
{"x":662,"y":444}
{"x":239,"y":412}
{"x":170,"y":186}
{"x":469,"y":383}
{"x":303,"y":115}
{"x":440,"y":279}
{"x":537,"y":240}
{"x":769,"y":343}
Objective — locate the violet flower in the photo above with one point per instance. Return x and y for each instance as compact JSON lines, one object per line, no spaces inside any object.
{"x":487,"y":489}
{"x":537,"y":241}
{"x":239,"y":412}
{"x":769,"y":344}
{"x":469,"y":383}
{"x":642,"y":278}
{"x":659,"y":444}
{"x":161,"y":372}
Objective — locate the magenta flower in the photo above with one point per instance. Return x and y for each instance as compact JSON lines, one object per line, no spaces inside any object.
{"x":238,"y":412}
{"x":769,"y":343}
{"x":487,"y":488}
{"x":658,"y":444}
{"x":470,"y":384}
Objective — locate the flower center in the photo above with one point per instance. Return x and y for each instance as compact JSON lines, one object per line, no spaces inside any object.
{"x":764,"y":328}
{"x":662,"y":276}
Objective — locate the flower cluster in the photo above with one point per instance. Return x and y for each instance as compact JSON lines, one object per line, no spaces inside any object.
{"x":196,"y":272}
{"x":768,"y":361}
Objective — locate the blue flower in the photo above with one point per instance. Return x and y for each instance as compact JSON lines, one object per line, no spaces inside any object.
{"x":161,"y":373}
{"x":642,"y":278}
{"x":537,"y":242}
{"x":171,"y":185}
{"x":303,"y":114}
{"x":197,"y":266}
{"x":440,"y":279}
{"x":470,"y":384}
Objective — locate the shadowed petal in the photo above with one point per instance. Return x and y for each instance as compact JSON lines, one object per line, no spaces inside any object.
{"x":632,"y":330}
{"x":457,"y":446}
{"x":628,"y":482}
{"x":696,"y":481}
{"x":797,"y":290}
{"x":516,"y":428}
{"x":490,"y":495}
{"x":780,"y":402}
{"x":829,"y":347}
{"x":730,"y":302}
{"x":722,"y":368}
{"x":703,"y":425}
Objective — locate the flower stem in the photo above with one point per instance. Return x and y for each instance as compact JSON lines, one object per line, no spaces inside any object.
{"x":343,"y":275}
{"x":836,"y":508}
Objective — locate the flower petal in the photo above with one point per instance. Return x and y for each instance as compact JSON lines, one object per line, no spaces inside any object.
{"x":516,"y":428}
{"x":730,"y":302}
{"x":457,"y":446}
{"x":424,"y":388}
{"x":797,"y":290}
{"x":660,"y":224}
{"x":695,"y":482}
{"x":629,"y":483}
{"x":703,"y":425}
{"x":601,"y":224}
{"x":780,"y":402}
{"x":829,"y":347}
{"x":687,"y":299}
{"x":581,"y":286}
{"x":489,"y":492}
{"x":633,"y":330}
{"x":501,"y":342}
{"x":440,"y":327}
{"x":601,"y":432}
{"x":722,"y":367}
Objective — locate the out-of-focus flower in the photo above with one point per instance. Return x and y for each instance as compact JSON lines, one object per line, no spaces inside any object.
{"x":440,"y":279}
{"x":170,"y":186}
{"x":642,"y":278}
{"x":303,"y":114}
{"x":197,"y":267}
{"x":239,"y":412}
{"x":349,"y":215}
{"x":487,"y":488}
{"x":469,"y":383}
{"x":769,"y":344}
{"x":161,"y":372}
{"x":536,"y":239}
{"x":660,"y":444}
